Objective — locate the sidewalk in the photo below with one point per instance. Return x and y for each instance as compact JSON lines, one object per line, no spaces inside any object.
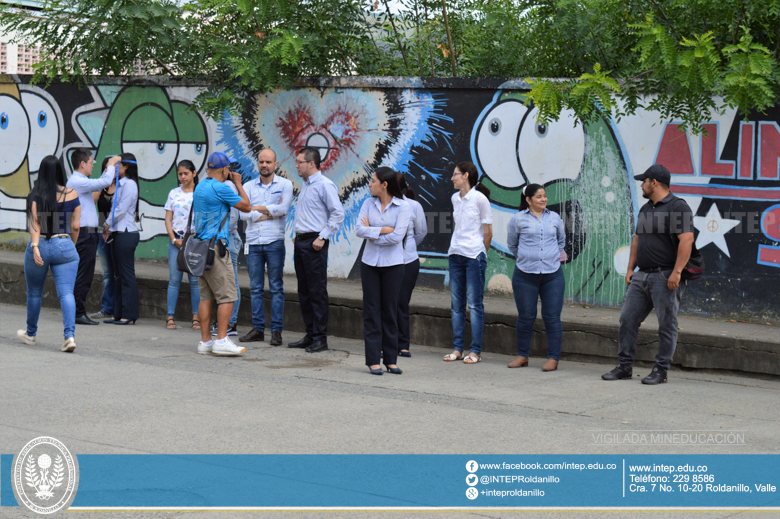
{"x":589,"y":333}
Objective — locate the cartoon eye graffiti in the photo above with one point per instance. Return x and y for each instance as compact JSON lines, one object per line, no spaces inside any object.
{"x":44,"y":128}
{"x":150,"y":135}
{"x":194,"y":152}
{"x":14,"y":134}
{"x":496,"y":143}
{"x":553,"y":152}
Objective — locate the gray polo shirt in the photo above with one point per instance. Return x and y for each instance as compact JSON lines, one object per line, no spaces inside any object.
{"x":657,"y":227}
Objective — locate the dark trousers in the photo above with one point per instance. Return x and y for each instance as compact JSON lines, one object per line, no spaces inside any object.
{"x":381,"y":291}
{"x":125,"y":286}
{"x":648,"y":291}
{"x":86,"y":246}
{"x":411,"y":271}
{"x":311,"y":268}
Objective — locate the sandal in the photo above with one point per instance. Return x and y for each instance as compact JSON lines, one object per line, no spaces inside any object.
{"x":451,"y":357}
{"x":195,"y":324}
{"x":472,"y":358}
{"x":170,"y":323}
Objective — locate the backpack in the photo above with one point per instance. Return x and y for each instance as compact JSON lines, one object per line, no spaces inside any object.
{"x":695,"y":267}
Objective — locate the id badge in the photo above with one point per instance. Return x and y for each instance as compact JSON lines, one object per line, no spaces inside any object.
{"x":246,"y":249}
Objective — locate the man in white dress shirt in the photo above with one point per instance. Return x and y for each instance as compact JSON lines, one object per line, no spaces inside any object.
{"x":87,"y":244}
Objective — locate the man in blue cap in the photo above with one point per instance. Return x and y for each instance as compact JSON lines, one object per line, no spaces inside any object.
{"x":661,"y":248}
{"x":211,"y":202}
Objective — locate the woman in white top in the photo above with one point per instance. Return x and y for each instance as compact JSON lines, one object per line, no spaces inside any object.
{"x":383,"y":222}
{"x":418,"y":229}
{"x":177,"y":212}
{"x":470,"y":242}
{"x":122,"y":223}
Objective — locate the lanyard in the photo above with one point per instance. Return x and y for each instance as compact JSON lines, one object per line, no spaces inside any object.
{"x":116,"y":194}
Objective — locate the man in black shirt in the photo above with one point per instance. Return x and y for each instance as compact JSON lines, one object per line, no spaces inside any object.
{"x":661,"y":249}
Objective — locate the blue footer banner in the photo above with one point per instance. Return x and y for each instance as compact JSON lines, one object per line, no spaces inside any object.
{"x":136,"y":482}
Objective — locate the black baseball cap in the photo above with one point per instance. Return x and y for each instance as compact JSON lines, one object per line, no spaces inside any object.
{"x":656,"y":172}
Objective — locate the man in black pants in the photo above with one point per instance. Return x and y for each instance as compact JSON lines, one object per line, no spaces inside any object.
{"x":87,"y":244}
{"x":661,"y":248}
{"x":318,"y":215}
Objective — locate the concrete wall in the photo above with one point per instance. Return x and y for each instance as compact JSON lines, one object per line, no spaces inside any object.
{"x":730,"y":176}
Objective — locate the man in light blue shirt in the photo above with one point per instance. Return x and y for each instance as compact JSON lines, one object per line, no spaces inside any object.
{"x":89,"y":235}
{"x":318,"y":215}
{"x":270,"y":196}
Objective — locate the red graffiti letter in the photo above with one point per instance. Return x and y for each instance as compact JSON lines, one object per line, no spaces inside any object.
{"x":770,"y":225}
{"x":710,"y":165}
{"x":674,"y":152}
{"x":747,"y":132}
{"x":769,"y":151}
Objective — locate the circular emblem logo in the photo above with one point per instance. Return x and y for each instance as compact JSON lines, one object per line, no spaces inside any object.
{"x":45,"y":475}
{"x":712,"y":226}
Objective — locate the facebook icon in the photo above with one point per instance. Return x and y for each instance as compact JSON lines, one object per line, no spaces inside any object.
{"x":472,"y":466}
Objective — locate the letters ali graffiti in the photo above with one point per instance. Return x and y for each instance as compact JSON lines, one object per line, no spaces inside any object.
{"x":730,"y":176}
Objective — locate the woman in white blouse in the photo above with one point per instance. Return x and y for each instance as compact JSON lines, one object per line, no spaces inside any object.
{"x":470,"y":242}
{"x":177,"y":213}
{"x":122,"y":223}
{"x":383,"y":222}
{"x":418,"y":229}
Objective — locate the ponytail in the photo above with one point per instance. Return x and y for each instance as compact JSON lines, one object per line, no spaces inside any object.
{"x":470,"y":170}
{"x":406,"y":191}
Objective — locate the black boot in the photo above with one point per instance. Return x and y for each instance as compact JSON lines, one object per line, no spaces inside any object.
{"x":619,"y":373}
{"x":657,"y":376}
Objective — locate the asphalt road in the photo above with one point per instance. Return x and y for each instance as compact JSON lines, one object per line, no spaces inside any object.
{"x":143,"y":389}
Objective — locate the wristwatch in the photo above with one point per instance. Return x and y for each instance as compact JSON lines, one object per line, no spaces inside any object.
{"x":33,"y":244}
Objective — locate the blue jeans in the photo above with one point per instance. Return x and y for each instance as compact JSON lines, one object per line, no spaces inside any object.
{"x":234,"y":247}
{"x":528,"y":288}
{"x":174,"y":283}
{"x":60,"y":254}
{"x":107,"y":300}
{"x":260,"y":256}
{"x":467,"y":284}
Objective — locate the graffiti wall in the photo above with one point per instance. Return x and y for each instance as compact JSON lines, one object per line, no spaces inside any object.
{"x":730,"y":176}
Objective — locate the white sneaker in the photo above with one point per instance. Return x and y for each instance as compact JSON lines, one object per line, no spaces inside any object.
{"x":22,"y":336}
{"x":69,"y":345}
{"x":227,"y":347}
{"x":204,"y":348}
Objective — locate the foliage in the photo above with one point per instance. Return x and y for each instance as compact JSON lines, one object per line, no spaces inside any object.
{"x":686,"y":59}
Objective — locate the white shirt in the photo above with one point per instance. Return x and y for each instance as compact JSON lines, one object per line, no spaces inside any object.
{"x":418,"y":229}
{"x":470,"y":213}
{"x":123,"y":219}
{"x":179,"y":203}
{"x":234,"y":213}
{"x":276,"y":196}
{"x":383,"y":250}
{"x":85,"y":186}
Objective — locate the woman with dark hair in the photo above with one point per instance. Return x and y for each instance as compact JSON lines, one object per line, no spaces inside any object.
{"x":417,"y":230}
{"x":177,"y":213}
{"x":383,"y":222}
{"x":122,"y":223}
{"x":470,"y":242}
{"x":536,"y":237}
{"x":53,"y":213}
{"x":104,"y":199}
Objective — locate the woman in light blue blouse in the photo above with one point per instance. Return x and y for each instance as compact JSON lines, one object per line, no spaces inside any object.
{"x":383,"y":222}
{"x":536,"y":237}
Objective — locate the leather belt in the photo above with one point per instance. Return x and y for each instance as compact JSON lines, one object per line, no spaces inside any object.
{"x":653,"y":270}
{"x":306,"y":235}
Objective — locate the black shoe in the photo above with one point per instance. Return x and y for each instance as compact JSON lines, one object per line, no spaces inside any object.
{"x":276,"y":339}
{"x":657,"y":376}
{"x":129,"y":321}
{"x":619,"y":373}
{"x":394,"y":371}
{"x":232,"y":330}
{"x":303,"y":343}
{"x":404,"y":353}
{"x":254,"y":335}
{"x":317,"y":347}
{"x":377,"y":371}
{"x":86,"y":320}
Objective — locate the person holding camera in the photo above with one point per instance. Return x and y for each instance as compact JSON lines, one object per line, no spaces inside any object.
{"x":210,"y":207}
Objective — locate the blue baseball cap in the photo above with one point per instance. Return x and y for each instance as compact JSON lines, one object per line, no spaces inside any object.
{"x":219,"y":160}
